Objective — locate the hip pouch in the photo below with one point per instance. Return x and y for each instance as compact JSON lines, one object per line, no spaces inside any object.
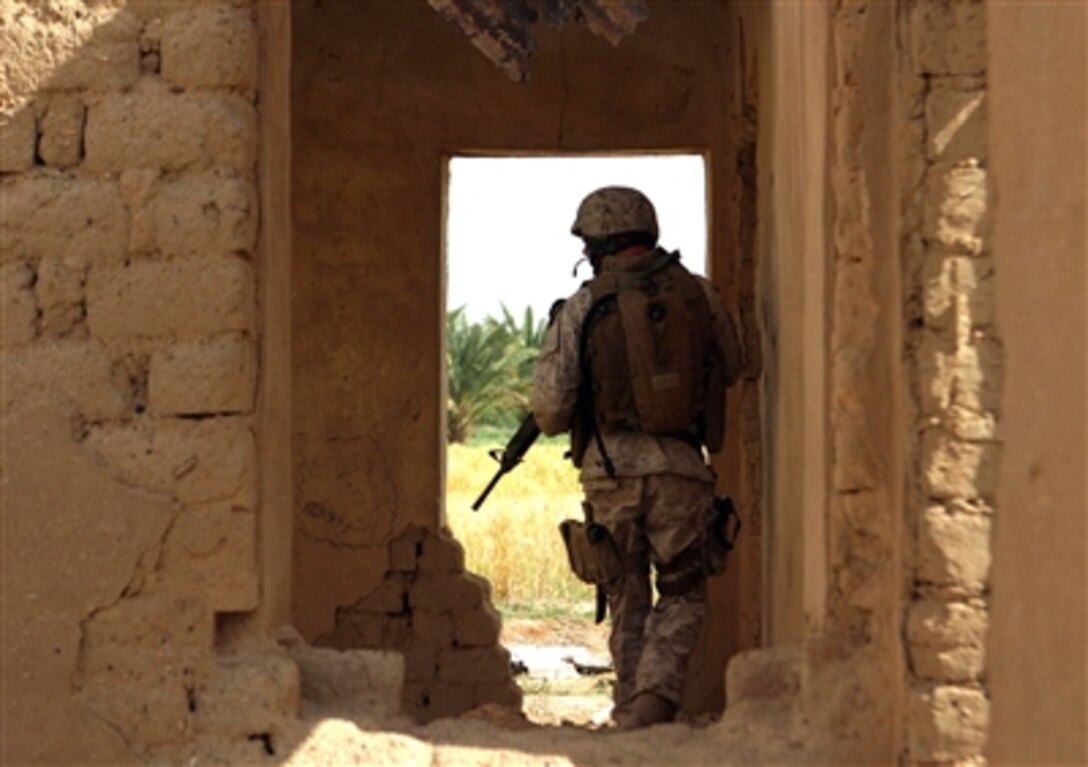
{"x":723,"y":534}
{"x":593,"y":553}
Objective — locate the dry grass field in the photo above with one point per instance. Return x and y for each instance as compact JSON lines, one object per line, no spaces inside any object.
{"x":513,"y":540}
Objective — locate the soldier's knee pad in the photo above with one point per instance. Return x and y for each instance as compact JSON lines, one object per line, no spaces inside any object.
{"x":684,"y":574}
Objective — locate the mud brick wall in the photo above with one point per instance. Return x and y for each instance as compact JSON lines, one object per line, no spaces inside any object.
{"x":955,"y":365}
{"x":440,"y":617}
{"x":128,"y":225}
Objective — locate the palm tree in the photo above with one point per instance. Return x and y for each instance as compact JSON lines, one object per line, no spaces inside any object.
{"x":485,"y":366}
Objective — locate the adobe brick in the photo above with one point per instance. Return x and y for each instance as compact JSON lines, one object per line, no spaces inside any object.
{"x":202,"y":377}
{"x":957,"y":207}
{"x":477,"y":628}
{"x":53,"y":215}
{"x":173,"y":298}
{"x":948,"y":38}
{"x":404,"y":550}
{"x":196,"y":461}
{"x":947,"y":723}
{"x":151,"y":127}
{"x":947,"y":640}
{"x":61,"y":143}
{"x":447,"y":699}
{"x":442,"y":554}
{"x":420,"y":663}
{"x":210,"y":46}
{"x":431,"y":629}
{"x":955,"y":468}
{"x":18,"y":136}
{"x":505,"y":693}
{"x":205,"y":215}
{"x":956,"y":123}
{"x":212,"y":550}
{"x":387,"y":597}
{"x":468,"y":665}
{"x":447,"y":593}
{"x":19,"y":309}
{"x":78,"y":371}
{"x":953,"y":550}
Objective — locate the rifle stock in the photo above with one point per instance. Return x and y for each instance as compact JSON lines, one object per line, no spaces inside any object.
{"x":511,"y":455}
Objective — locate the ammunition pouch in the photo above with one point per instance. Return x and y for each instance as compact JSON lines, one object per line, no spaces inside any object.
{"x":594,"y":556}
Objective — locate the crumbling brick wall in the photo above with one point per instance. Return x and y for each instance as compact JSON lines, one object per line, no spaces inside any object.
{"x":955,"y":368}
{"x":128,"y":143}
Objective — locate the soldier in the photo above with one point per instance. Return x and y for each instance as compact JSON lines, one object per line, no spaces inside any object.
{"x":634,"y":366}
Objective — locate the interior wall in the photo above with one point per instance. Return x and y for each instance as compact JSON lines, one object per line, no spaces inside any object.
{"x":1037,"y":663}
{"x":382,"y":94}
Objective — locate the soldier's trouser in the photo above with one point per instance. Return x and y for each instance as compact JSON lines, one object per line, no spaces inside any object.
{"x":652,"y":519}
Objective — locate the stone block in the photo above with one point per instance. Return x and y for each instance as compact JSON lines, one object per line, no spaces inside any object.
{"x":956,"y":213}
{"x":431,"y":629}
{"x":954,"y":468}
{"x":57,"y":216}
{"x":947,"y":723}
{"x":947,"y":641}
{"x":203,"y":377}
{"x":171,"y":298}
{"x":948,"y":38}
{"x":151,"y":127}
{"x":18,"y":308}
{"x":211,"y":551}
{"x":196,"y":461}
{"x":18,"y":138}
{"x":210,"y":46}
{"x":956,"y":123}
{"x":61,"y":143}
{"x":953,"y":550}
{"x":477,"y":628}
{"x":442,"y":553}
{"x":206,"y":216}
{"x":447,"y":593}
{"x":80,"y":372}
{"x":468,"y":665}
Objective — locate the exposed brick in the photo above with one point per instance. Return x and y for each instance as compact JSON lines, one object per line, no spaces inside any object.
{"x":956,"y":123}
{"x":420,"y":663}
{"x":446,"y":698}
{"x":60,"y":295}
{"x":195,"y":461}
{"x":957,"y":291}
{"x":18,"y":135}
{"x":447,"y":593}
{"x":151,"y":127}
{"x":78,"y":371}
{"x":210,"y":47}
{"x":469,"y":665}
{"x":61,"y":144}
{"x":387,"y":597}
{"x":954,"y":468}
{"x":948,"y":38}
{"x":18,"y":308}
{"x":180,"y":297}
{"x":207,"y":215}
{"x":431,"y":629}
{"x":947,"y":640}
{"x":957,"y":209}
{"x":138,"y":188}
{"x":212,"y":550}
{"x":202,"y":377}
{"x":947,"y":723}
{"x":477,"y":628}
{"x":506,"y":694}
{"x":105,"y":65}
{"x":442,"y":554}
{"x":58,"y":216}
{"x":954,"y":550}
{"x":404,"y":550}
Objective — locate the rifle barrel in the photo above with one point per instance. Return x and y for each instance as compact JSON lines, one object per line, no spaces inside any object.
{"x":487,"y":490}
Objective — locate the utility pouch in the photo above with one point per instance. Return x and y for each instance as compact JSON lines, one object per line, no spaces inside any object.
{"x":593,"y":553}
{"x":723,"y":533}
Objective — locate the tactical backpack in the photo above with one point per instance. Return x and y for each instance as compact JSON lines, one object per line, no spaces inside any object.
{"x":648,"y":362}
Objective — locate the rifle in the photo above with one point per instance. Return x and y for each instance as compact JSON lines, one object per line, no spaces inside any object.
{"x":511,"y":455}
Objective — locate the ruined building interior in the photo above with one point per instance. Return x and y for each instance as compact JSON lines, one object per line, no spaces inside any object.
{"x":222,"y":273}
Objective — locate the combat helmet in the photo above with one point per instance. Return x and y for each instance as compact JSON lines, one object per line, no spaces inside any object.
{"x":615,"y":210}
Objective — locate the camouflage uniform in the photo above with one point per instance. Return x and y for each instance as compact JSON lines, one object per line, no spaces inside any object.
{"x":656,"y":507}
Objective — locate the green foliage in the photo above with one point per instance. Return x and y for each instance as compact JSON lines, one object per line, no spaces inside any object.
{"x":489,"y":365}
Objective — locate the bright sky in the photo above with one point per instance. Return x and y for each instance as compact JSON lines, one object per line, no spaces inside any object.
{"x":508,"y":231}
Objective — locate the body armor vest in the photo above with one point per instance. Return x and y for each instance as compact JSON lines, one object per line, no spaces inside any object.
{"x":646,"y":354}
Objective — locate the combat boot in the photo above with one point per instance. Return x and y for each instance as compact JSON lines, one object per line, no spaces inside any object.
{"x":645,"y":710}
